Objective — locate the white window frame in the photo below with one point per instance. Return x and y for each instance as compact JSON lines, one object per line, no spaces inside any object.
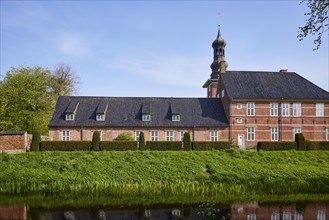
{"x":65,"y":135}
{"x":182,"y":135}
{"x":274,"y":107}
{"x":238,"y":105}
{"x":285,"y":109}
{"x":251,"y":133}
{"x":239,"y":120}
{"x":286,"y":216}
{"x":251,"y":217}
{"x":275,"y":216}
{"x":250,"y":109}
{"x":175,"y":117}
{"x":100,"y":117}
{"x":298,"y":216}
{"x":319,"y":109}
{"x":327,"y":134}
{"x":213,"y":135}
{"x":69,"y":117}
{"x":297,"y":130}
{"x":170,"y":135}
{"x":137,"y":135}
{"x":223,"y":93}
{"x":297,"y":109}
{"x":146,"y":117}
{"x":274,"y":134}
{"x":154,"y":135}
{"x":321,"y":215}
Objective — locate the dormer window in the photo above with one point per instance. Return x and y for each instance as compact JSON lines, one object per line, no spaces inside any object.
{"x":100,"y":117}
{"x":146,"y":117}
{"x":69,"y":117}
{"x":175,"y":117}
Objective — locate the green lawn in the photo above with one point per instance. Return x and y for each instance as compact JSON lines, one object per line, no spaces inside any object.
{"x":230,"y":172}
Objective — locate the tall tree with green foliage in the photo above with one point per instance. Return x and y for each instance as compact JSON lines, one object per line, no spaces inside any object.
{"x":317,"y":22}
{"x":26,"y":100}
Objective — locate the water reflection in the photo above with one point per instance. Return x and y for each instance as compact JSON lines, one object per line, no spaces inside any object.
{"x":236,"y":211}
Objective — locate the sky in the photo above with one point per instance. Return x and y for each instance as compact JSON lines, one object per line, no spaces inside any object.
{"x":157,"y":48}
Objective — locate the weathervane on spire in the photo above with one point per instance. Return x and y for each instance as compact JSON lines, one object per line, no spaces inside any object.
{"x":218,"y":18}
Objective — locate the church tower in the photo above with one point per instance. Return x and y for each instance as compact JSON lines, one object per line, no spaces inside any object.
{"x":218,"y":66}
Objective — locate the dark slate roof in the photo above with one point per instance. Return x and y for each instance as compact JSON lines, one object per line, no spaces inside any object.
{"x":72,"y":107}
{"x":127,"y":112}
{"x":12,"y":133}
{"x":102,"y":107}
{"x":270,"y":85}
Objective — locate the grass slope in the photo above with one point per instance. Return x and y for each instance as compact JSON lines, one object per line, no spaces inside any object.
{"x":231,"y":172}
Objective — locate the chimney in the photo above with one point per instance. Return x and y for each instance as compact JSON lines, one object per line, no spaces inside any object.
{"x":283,"y":70}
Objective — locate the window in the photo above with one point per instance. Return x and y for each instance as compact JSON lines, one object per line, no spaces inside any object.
{"x":297,"y":131}
{"x":250,"y":134}
{"x":169,"y":135}
{"x":274,"y":134}
{"x":274,"y":109}
{"x":100,"y":117}
{"x":239,"y":120}
{"x":65,"y":135}
{"x":100,"y":135}
{"x":251,"y":217}
{"x":275,"y":216}
{"x":285,"y":109}
{"x":182,"y":135}
{"x":69,"y":117}
{"x":213,"y":135}
{"x":321,"y":215}
{"x":298,"y":216}
{"x":137,"y":135}
{"x":297,"y":109}
{"x":154,"y":135}
{"x":146,"y":117}
{"x":250,"y":109}
{"x":175,"y":117}
{"x":319,"y":109}
{"x":327,"y":134}
{"x":238,"y":106}
{"x":286,"y":216}
{"x":223,"y":93}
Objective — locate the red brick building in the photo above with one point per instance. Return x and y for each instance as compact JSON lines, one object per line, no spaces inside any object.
{"x":244,"y":107}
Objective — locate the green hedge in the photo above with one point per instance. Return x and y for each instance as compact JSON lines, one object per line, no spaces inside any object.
{"x":210,"y":145}
{"x":280,"y":145}
{"x":118,"y":145}
{"x":317,"y":145}
{"x":301,"y":142}
{"x":164,"y":145}
{"x":65,"y":146}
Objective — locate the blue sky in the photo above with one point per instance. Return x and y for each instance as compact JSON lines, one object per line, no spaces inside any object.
{"x":157,"y":48}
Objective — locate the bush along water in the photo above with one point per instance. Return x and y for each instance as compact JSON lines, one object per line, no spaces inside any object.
{"x":134,"y":173}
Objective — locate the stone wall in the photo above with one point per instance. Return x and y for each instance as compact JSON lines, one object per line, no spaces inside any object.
{"x":13,"y":142}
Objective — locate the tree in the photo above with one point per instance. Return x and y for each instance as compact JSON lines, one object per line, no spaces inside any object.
{"x":125,"y":136}
{"x":141,"y":141}
{"x":64,"y":80}
{"x":36,"y":139}
{"x":26,"y":100}
{"x":187,"y":141}
{"x":96,"y":140}
{"x":317,"y":22}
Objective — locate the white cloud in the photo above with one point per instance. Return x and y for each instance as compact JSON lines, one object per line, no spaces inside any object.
{"x":72,"y":45}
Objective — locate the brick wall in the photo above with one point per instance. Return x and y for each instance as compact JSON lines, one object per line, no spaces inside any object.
{"x":13,"y":212}
{"x":13,"y":142}
{"x":108,"y":134}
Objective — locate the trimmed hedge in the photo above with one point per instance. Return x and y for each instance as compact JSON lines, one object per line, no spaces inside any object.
{"x":95,"y":141}
{"x":65,"y":146}
{"x":210,"y":145}
{"x":36,"y":139}
{"x":317,"y":145}
{"x":164,"y":145}
{"x":118,"y":145}
{"x":187,"y":144}
{"x":280,"y":145}
{"x":301,"y":142}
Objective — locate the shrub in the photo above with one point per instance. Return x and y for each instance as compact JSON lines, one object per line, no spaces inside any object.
{"x":141,"y":141}
{"x":187,"y":141}
{"x":278,"y":145}
{"x":96,"y":140}
{"x":118,"y":145}
{"x":125,"y":136}
{"x":317,"y":145}
{"x":36,"y":139}
{"x":210,"y":145}
{"x":164,"y":145}
{"x":65,"y":146}
{"x":300,"y":140}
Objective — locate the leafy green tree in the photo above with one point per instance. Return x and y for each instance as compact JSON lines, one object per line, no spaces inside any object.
{"x":141,"y":141}
{"x":36,"y":139}
{"x":26,"y":100}
{"x":317,"y":22}
{"x":187,"y":141}
{"x":96,"y":140}
{"x":125,"y":136}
